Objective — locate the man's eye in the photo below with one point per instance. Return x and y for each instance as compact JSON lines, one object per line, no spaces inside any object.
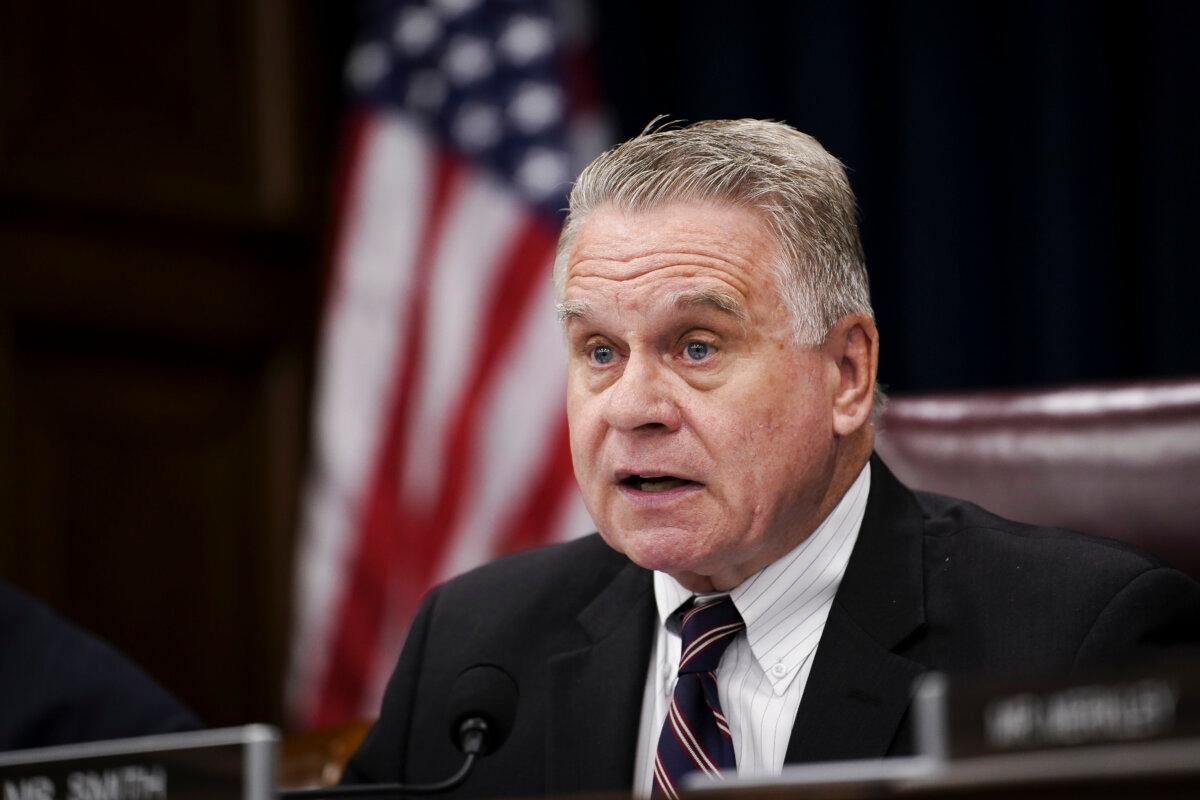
{"x":602,"y":354}
{"x":698,"y":351}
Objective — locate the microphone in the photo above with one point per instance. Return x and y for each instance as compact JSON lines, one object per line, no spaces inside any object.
{"x":480,"y":713}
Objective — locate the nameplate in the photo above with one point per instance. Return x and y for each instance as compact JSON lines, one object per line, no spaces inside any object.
{"x":1136,"y":704}
{"x":227,"y":763}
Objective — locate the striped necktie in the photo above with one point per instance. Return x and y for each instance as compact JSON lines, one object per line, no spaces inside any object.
{"x":695,"y":736}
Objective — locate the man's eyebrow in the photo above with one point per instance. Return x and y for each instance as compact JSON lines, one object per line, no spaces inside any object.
{"x":572,"y":309}
{"x":711,"y":297}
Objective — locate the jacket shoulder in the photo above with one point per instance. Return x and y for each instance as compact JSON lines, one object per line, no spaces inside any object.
{"x":953,"y":520}
{"x":569,"y":569}
{"x":1012,"y":597}
{"x":60,"y":684}
{"x":541,"y":589}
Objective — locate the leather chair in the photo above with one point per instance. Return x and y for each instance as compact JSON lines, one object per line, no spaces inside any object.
{"x":1121,"y":460}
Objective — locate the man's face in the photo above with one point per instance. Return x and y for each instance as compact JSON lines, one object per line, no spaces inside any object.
{"x":702,"y":435}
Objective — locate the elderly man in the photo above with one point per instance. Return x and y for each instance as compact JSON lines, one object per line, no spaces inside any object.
{"x":762,"y":590}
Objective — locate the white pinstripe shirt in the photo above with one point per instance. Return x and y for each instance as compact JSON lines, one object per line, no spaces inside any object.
{"x":763,"y":672}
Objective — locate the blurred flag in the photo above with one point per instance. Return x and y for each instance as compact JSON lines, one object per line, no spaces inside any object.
{"x":439,"y":431}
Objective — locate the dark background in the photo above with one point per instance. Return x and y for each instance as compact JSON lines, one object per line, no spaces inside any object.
{"x":1028,"y":172}
{"x":1027,"y":175}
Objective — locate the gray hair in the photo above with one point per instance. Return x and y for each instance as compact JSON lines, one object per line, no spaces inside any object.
{"x":799,"y":188}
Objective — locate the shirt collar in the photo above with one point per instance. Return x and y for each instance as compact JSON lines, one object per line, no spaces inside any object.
{"x":795,"y":587}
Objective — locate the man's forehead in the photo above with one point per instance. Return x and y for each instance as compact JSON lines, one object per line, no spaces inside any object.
{"x":627,"y":230}
{"x":723,"y":301}
{"x":625,"y":233}
{"x":726,"y":244}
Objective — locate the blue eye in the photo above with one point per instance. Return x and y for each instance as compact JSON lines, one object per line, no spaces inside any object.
{"x":698,"y":351}
{"x":602,"y":354}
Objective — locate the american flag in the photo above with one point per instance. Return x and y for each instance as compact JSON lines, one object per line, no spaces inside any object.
{"x":439,"y":436}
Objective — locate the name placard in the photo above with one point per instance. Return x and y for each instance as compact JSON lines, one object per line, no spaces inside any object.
{"x":228,"y":763}
{"x":1134,"y":704}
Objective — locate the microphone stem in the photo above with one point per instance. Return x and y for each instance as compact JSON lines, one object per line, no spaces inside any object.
{"x":381,"y":789}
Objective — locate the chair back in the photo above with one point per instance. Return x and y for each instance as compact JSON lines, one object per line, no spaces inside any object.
{"x":1121,"y":460}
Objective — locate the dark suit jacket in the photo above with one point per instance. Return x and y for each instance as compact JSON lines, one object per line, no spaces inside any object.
{"x":933,"y":583}
{"x":60,"y":685}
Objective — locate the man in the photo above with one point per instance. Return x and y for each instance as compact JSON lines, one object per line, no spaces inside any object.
{"x":722,"y":356}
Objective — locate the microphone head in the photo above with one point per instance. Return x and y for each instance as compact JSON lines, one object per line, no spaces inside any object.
{"x":487,"y":692}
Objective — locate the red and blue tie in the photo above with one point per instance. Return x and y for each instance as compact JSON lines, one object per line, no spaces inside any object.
{"x":695,"y":736}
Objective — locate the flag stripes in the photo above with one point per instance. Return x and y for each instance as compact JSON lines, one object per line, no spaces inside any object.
{"x":439,"y":434}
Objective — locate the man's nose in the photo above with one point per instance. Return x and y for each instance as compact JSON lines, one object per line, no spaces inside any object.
{"x":643,"y":398}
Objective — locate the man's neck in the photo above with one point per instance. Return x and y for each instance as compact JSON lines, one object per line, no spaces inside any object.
{"x":852,"y":455}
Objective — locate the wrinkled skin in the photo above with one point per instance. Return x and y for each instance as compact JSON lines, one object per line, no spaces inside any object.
{"x":706,"y":442}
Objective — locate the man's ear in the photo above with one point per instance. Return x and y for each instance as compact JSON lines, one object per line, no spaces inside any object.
{"x":853,"y":347}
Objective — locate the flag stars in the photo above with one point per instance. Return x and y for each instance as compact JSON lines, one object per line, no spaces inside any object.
{"x":526,"y":39}
{"x":427,"y":90}
{"x":416,"y":31}
{"x":535,"y":107}
{"x":454,"y":8}
{"x":468,"y":59}
{"x":477,"y":126}
{"x":367,"y":65}
{"x":542,"y":172}
{"x":484,"y":80}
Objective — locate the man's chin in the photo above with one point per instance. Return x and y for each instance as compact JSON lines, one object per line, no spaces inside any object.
{"x":670,"y":550}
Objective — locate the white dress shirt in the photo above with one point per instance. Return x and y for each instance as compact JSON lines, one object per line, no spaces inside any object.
{"x":764,"y":670}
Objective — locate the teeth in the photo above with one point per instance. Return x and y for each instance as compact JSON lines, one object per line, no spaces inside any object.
{"x":660,"y":484}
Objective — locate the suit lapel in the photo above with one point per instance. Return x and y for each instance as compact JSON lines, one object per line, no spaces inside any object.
{"x":858,"y":690}
{"x":857,"y":693}
{"x":596,"y":690}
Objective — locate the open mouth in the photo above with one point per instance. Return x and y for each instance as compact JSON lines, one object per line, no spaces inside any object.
{"x":655,"y":483}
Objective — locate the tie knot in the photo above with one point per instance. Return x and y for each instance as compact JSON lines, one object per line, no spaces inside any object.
{"x":707,"y":629}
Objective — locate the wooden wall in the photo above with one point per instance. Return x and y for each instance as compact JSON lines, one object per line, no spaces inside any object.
{"x":163,"y":197}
